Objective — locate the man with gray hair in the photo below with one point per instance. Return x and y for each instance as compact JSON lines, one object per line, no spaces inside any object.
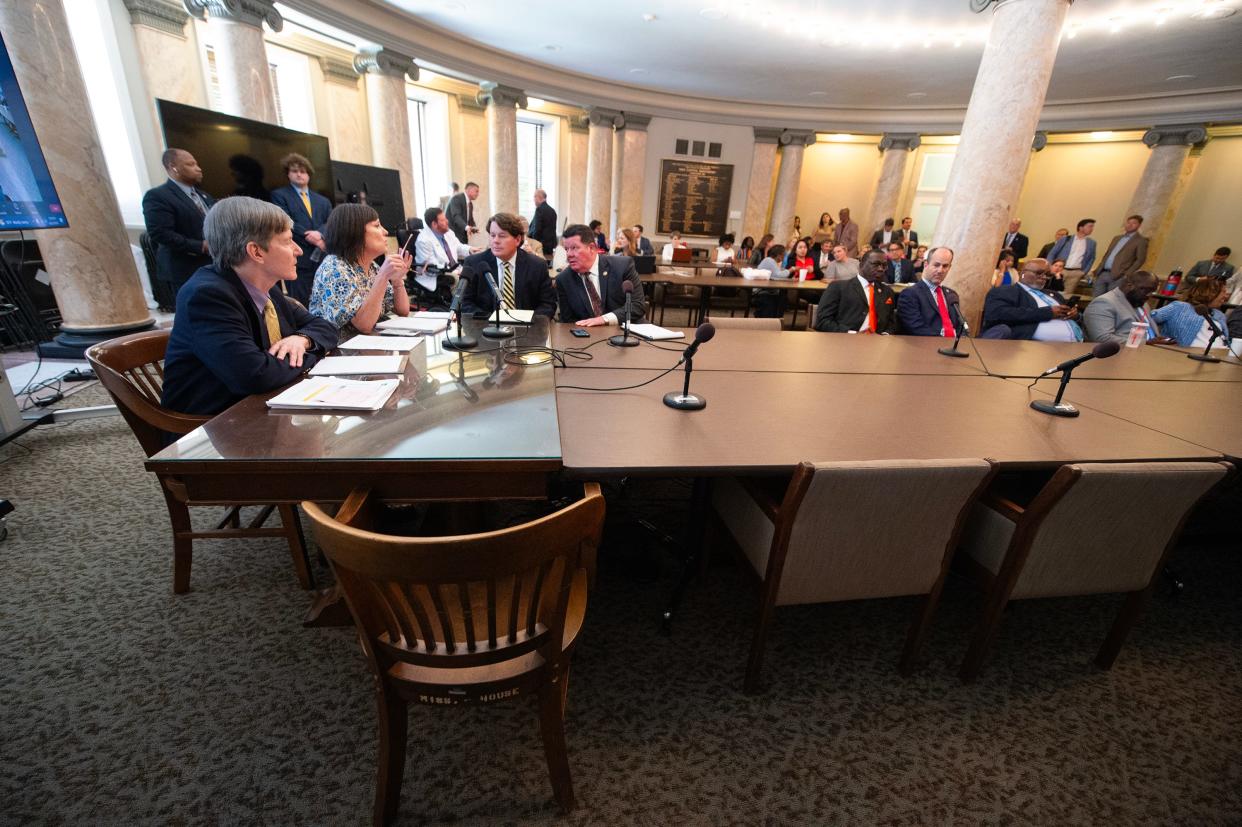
{"x":235,"y":334}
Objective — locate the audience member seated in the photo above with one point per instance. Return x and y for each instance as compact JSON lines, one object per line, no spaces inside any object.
{"x":1217,"y":266}
{"x":597,"y":228}
{"x":791,"y":252}
{"x":923,"y":308}
{"x":1109,"y":317}
{"x":521,"y":277}
{"x":1234,"y":324}
{"x":761,"y":249}
{"x":626,"y":243}
{"x":801,"y":264}
{"x":744,"y":250}
{"x":919,"y":260}
{"x":1061,"y":233}
{"x":897,"y":270}
{"x":674,"y":243}
{"x":235,"y":333}
{"x":824,"y":233}
{"x":842,"y":267}
{"x":1029,"y":312}
{"x":642,"y":244}
{"x":1056,"y":275}
{"x":1078,"y":252}
{"x":435,"y":247}
{"x":1004,"y":273}
{"x":769,"y":303}
{"x":725,"y":252}
{"x":589,"y":290}
{"x":1181,"y":321}
{"x":860,"y":305}
{"x":350,"y":288}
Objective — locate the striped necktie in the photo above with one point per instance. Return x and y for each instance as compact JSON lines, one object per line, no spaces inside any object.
{"x":272,"y":323}
{"x":506,"y":285}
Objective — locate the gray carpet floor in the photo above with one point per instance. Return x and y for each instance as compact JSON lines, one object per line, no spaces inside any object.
{"x":122,"y":704}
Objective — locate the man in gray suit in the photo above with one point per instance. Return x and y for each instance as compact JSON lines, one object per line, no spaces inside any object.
{"x":460,"y":212}
{"x":1109,"y":317}
{"x":1124,"y":255}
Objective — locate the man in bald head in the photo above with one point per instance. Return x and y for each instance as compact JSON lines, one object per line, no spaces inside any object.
{"x":174,"y":213}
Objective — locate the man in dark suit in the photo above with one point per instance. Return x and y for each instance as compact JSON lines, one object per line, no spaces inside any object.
{"x":898,"y":269}
{"x":1028,"y":311}
{"x":924,"y":309}
{"x":521,"y":278}
{"x":643,"y":244}
{"x":589,"y":290}
{"x":460,"y":212}
{"x":909,"y":237}
{"x":859,"y":305}
{"x":1015,"y":241}
{"x":235,"y":333}
{"x":173,"y":213}
{"x":309,"y":211}
{"x":884,"y":236}
{"x":543,"y":225}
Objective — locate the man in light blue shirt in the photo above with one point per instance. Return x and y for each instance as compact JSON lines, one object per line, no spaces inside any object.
{"x":1124,"y":255}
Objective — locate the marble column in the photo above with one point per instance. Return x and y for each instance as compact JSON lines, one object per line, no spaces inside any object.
{"x":575,"y":209}
{"x":793,"y":143}
{"x":471,"y":148}
{"x":895,"y":148}
{"x":759,"y":190}
{"x":94,"y":278}
{"x":995,"y":146}
{"x":388,"y":114}
{"x":599,"y":165}
{"x":344,"y":118}
{"x":236,"y":28}
{"x":632,"y":135}
{"x":1154,"y":196}
{"x":502,"y":157}
{"x":167,"y":52}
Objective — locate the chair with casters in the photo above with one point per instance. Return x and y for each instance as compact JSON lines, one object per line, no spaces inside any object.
{"x":1133,"y":513}
{"x":745,"y":323}
{"x":468,"y":619}
{"x":131,"y":369}
{"x":824,"y":539}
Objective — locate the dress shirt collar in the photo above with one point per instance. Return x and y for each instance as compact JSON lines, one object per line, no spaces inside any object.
{"x":186,"y":188}
{"x":1039,"y":295}
{"x":257,"y":296}
{"x":863,"y":282}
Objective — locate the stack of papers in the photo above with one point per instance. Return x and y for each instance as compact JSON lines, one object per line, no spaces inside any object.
{"x":400,"y":343}
{"x":655,"y":332}
{"x":356,"y":365}
{"x":418,"y":324}
{"x":341,"y":394}
{"x":756,"y":274}
{"x":433,"y":314}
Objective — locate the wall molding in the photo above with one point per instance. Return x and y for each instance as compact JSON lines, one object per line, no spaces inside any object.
{"x":168,"y":16}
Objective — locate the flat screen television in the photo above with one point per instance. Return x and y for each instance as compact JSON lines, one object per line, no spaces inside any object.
{"x":376,"y":186}
{"x":28,"y":199}
{"x":240,"y":156}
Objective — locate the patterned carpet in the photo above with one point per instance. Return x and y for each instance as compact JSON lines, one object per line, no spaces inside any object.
{"x":122,"y":704}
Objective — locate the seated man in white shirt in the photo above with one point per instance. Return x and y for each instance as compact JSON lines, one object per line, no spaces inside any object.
{"x":1028,"y":311}
{"x":435,"y":246}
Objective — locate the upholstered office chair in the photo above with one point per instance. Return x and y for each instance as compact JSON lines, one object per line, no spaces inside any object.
{"x":724,"y":322}
{"x":131,"y":368}
{"x":829,"y":536}
{"x":465,"y":620}
{"x":1094,"y":528}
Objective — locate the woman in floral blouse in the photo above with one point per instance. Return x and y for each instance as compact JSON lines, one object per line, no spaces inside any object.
{"x":350,"y":288}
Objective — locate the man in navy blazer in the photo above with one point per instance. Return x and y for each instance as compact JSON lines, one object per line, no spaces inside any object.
{"x":173,"y":213}
{"x":920,"y":308}
{"x":235,"y":334}
{"x":1078,"y":253}
{"x":1028,"y":311}
{"x":309,"y":211}
{"x":898,"y":269}
{"x":505,"y":260}
{"x":589,"y":291}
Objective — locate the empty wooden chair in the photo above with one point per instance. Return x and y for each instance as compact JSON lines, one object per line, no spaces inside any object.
{"x":1094,"y":528}
{"x":746,"y":323}
{"x":131,"y":368}
{"x":465,"y":620}
{"x":849,"y":531}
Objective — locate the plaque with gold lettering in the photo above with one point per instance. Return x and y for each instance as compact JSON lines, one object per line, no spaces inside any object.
{"x":694,"y":197}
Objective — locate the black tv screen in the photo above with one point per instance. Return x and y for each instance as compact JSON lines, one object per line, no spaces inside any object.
{"x":376,"y":186}
{"x":28,"y":199}
{"x":240,"y":156}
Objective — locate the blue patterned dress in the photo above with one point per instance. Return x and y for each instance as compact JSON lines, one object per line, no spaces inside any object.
{"x":341,"y":287}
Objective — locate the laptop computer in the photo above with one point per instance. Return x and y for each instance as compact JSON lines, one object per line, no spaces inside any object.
{"x":645,"y":265}
{"x":682,"y":255}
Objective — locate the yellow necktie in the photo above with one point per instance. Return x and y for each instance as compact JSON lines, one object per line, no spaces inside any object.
{"x":306,"y":203}
{"x":273,"y":324}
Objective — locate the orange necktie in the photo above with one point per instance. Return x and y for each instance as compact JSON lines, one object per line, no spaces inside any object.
{"x":871,"y":306}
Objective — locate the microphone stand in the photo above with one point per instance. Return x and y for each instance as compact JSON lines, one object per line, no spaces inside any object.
{"x":953,"y":351}
{"x":496,"y":330}
{"x":1056,"y":407}
{"x":624,"y":340}
{"x":1205,"y":356}
{"x":685,"y":401}
{"x":459,"y":342}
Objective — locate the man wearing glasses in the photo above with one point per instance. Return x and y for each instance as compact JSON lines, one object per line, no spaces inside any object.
{"x":1028,"y":311}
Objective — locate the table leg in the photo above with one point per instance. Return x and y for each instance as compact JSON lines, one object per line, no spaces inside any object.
{"x":695,"y":551}
{"x":705,"y":303}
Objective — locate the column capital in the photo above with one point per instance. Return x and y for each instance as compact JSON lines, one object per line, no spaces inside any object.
{"x":635,"y":121}
{"x":798,"y":137}
{"x":338,"y":70}
{"x":579,"y":122}
{"x":380,"y":60}
{"x":599,"y":116}
{"x":162,"y":15}
{"x":768,"y":134}
{"x":497,"y":94}
{"x":247,"y":12}
{"x":1179,"y":135}
{"x":908,"y":141}
{"x":1039,"y":141}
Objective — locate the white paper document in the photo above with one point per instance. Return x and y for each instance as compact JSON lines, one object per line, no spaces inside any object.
{"x":514,"y":316}
{"x":433,"y":314}
{"x":341,"y":394}
{"x":655,"y":332}
{"x":418,"y":324}
{"x":402,"y":343}
{"x":358,"y":365}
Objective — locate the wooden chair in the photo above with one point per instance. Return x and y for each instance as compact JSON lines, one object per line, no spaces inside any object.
{"x":829,"y":538}
{"x":465,"y":620}
{"x":745,"y":323}
{"x":1092,"y":529}
{"x":131,"y":368}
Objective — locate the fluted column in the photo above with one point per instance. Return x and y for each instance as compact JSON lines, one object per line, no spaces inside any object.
{"x":502,"y":157}
{"x":632,"y":172}
{"x":168,"y":55}
{"x":995,"y":146}
{"x":599,"y":164}
{"x":388,"y":113}
{"x":793,"y":144}
{"x":94,"y":278}
{"x":759,"y":190}
{"x":241,"y":56}
{"x":575,"y":209}
{"x":895,"y":148}
{"x":1154,"y":197}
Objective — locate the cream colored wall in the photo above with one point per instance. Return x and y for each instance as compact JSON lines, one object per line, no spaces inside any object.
{"x":836,"y":175}
{"x":1211,"y":211}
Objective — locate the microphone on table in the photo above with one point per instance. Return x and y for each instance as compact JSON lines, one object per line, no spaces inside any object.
{"x":964,"y":328}
{"x":495,"y":330}
{"x":1206,"y":312}
{"x":459,"y":342}
{"x":1056,"y":407}
{"x":686,"y":401}
{"x":624,"y":340}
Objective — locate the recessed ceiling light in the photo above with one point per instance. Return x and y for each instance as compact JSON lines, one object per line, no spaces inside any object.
{"x":916,"y":94}
{"x":1101,"y":136}
{"x":1214,"y":11}
{"x":535,"y":102}
{"x":713,"y":13}
{"x":551,"y":47}
{"x":1181,"y":77}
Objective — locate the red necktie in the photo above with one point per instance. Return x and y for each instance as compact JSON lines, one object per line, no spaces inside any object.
{"x":871,"y":306}
{"x":597,"y":307}
{"x":949,"y":332}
